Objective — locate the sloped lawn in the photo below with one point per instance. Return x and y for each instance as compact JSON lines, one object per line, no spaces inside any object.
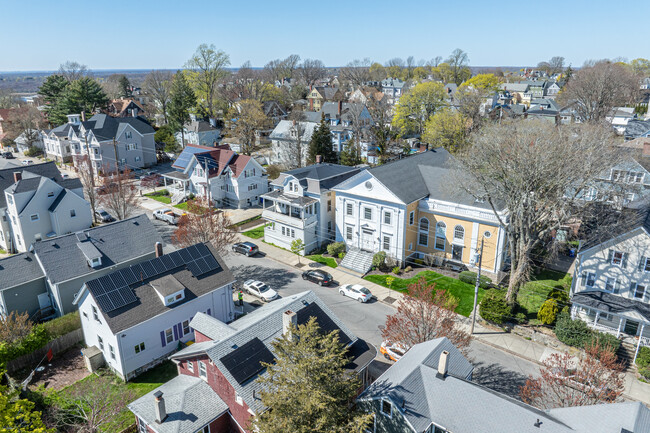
{"x":159,"y":196}
{"x":255,"y":233}
{"x":327,"y":261}
{"x":533,"y":294}
{"x":462,"y":291}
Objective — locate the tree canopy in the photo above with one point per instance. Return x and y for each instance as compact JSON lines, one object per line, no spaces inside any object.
{"x":447,"y":128}
{"x":181,"y":100}
{"x":416,"y":106}
{"x":204,"y":71}
{"x":321,"y":144}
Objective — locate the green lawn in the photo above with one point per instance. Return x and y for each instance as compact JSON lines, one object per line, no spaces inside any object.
{"x":533,"y":294}
{"x":141,"y":385}
{"x":462,"y":291}
{"x":159,"y":196}
{"x":328,"y":261}
{"x":255,"y":233}
{"x":181,"y":206}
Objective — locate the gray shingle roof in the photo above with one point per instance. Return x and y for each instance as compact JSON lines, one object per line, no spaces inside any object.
{"x":59,"y":198}
{"x":264,"y":323}
{"x":19,"y":269}
{"x":118,"y":242}
{"x":452,"y":402}
{"x":149,"y":304}
{"x":636,"y":128}
{"x":283,"y":130}
{"x":26,"y":185}
{"x":324,"y":176}
{"x":610,"y":303}
{"x":47,"y":169}
{"x":105,"y":127}
{"x":629,"y":417}
{"x":190,"y":404}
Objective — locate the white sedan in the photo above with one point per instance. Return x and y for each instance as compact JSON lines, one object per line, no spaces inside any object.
{"x":355,"y":291}
{"x":260,"y":290}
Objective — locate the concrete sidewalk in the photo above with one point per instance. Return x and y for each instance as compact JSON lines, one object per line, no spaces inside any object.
{"x":505,"y":341}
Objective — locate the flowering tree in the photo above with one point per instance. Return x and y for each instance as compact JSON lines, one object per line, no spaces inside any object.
{"x":203,"y":223}
{"x":564,"y":381}
{"x":424,"y":314}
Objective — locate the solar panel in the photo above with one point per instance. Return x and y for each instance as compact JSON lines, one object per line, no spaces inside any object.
{"x":106,"y":283}
{"x":168,"y":262}
{"x":149,"y":270}
{"x":203,"y":266}
{"x":185,"y":255}
{"x":104,"y":303}
{"x":176,"y":258}
{"x":129,"y":276}
{"x":159,"y":266}
{"x":324,"y":321}
{"x":203,"y":250}
{"x":194,"y":269}
{"x":212,"y":262}
{"x":95,"y":287}
{"x":118,"y":279}
{"x":116,"y":298}
{"x":245,"y":362}
{"x":128,"y":295}
{"x":138,"y":272}
{"x":194,"y":252}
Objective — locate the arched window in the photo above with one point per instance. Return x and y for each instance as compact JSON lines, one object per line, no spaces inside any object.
{"x":459,"y":233}
{"x":423,"y":235}
{"x":441,"y":235}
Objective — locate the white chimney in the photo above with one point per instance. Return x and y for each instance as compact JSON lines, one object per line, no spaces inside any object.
{"x":161,"y":413}
{"x":442,"y":364}
{"x":288,"y":318}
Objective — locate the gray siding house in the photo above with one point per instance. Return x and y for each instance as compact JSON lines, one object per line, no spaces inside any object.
{"x":23,"y":287}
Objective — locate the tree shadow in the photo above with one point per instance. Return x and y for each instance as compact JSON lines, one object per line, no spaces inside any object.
{"x":276,"y":278}
{"x":499,"y":379}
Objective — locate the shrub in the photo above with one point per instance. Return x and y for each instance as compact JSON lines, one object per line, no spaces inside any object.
{"x":604,"y":340}
{"x":521,"y":318}
{"x":643,"y":357}
{"x":494,"y":307}
{"x":379,"y":260}
{"x":548,"y":312}
{"x":397,"y":270}
{"x":560,"y":294}
{"x":63,"y":325}
{"x":470,"y":278}
{"x":33,"y":151}
{"x":408,"y":269}
{"x":164,"y":192}
{"x":572,"y":332}
{"x":341,"y":255}
{"x":645,"y":372}
{"x":191,"y":196}
{"x":35,"y":340}
{"x":336,"y":248}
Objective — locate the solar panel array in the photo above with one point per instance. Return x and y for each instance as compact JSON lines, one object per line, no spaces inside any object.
{"x":113,"y":291}
{"x":246,"y":361}
{"x":324,"y":321}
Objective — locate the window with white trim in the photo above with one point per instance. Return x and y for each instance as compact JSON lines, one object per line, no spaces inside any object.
{"x":132,"y":146}
{"x":423,"y":232}
{"x":100,"y":341}
{"x":386,"y":408}
{"x":169,"y":335}
{"x":411,"y":217}
{"x":203,"y":373}
{"x":610,"y":284}
{"x":139,"y":348}
{"x":186,"y":327}
{"x":348,"y":209}
{"x":367,"y":213}
{"x":142,"y":426}
{"x":348,"y":233}
{"x":190,"y":366}
{"x":386,"y":243}
{"x":387,"y":216}
{"x":639,"y":291}
{"x":617,"y":258}
{"x":588,"y":279}
{"x":205,"y":429}
{"x":95,"y":315}
{"x":127,"y":134}
{"x":112,"y":351}
{"x":459,"y":233}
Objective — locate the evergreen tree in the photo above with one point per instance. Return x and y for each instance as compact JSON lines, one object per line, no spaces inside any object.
{"x":351,"y":154}
{"x":182,"y":100}
{"x":125,"y":87}
{"x":321,"y":144}
{"x":81,"y":96}
{"x":308,"y":389}
{"x":52,"y":90}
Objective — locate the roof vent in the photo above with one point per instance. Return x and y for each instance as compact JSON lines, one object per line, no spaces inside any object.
{"x":538,"y":423}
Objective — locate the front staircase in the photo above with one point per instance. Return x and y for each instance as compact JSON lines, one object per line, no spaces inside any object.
{"x":177,"y":197}
{"x":357,"y":261}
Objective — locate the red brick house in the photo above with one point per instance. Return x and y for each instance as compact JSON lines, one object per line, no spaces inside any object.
{"x":216,"y":390}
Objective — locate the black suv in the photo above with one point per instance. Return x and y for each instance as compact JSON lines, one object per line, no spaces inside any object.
{"x":317,"y":276}
{"x":246,"y":248}
{"x":7,"y":155}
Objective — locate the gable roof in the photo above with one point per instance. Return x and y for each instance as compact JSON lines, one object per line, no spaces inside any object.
{"x":148,"y":303}
{"x":118,"y":242}
{"x":628,"y":417}
{"x":265,"y":324}
{"x":324,"y":175}
{"x":106,"y":127}
{"x":637,"y":128}
{"x":183,"y":160}
{"x":47,"y":169}
{"x":122,"y":104}
{"x":611,"y":303}
{"x":282,"y":131}
{"x":19,"y":269}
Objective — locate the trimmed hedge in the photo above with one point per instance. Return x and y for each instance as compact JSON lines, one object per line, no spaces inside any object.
{"x":643,"y":357}
{"x":548,"y":312}
{"x":577,"y":333}
{"x":493,"y":306}
{"x":470,"y":278}
{"x":379,"y":260}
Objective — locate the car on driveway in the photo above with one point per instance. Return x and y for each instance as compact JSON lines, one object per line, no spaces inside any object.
{"x":7,"y":155}
{"x":245,"y":248}
{"x":356,"y":291}
{"x":103,"y":216}
{"x":260,"y":290}
{"x":317,"y":276}
{"x":392,"y":351}
{"x":166,"y":215}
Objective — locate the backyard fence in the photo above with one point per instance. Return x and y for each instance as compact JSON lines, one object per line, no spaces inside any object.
{"x":58,"y":345}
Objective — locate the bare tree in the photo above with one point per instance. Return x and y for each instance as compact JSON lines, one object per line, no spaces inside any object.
{"x":72,"y":70}
{"x":554,"y":66}
{"x":396,"y":61}
{"x":203,"y":223}
{"x":424,"y":314}
{"x":15,"y":326}
{"x":295,"y":149}
{"x":120,"y":196}
{"x":249,"y":119}
{"x":157,"y":85}
{"x":594,"y":90}
{"x":279,"y":69}
{"x":91,"y":405}
{"x":539,"y":173}
{"x":312,"y":71}
{"x":410,"y":65}
{"x":434,"y":62}
{"x":566,"y":382}
{"x":86,"y":175}
{"x":458,"y":61}
{"x":26,"y":121}
{"x":357,"y":72}
{"x":291,"y":64}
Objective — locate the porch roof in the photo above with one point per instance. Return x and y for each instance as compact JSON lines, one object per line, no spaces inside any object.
{"x":176,"y":175}
{"x":614,"y":304}
{"x":280,"y":196}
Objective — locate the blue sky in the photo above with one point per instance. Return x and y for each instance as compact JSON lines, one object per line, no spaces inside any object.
{"x":143,"y":34}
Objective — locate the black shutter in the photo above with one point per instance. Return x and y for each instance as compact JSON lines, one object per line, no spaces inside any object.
{"x":641,"y":264}
{"x":583,"y":278}
{"x":610,"y":256}
{"x":163,"y":340}
{"x":624,"y":261}
{"x":632,"y":287}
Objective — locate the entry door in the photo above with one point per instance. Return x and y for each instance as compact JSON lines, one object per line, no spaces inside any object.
{"x":457,"y":252}
{"x":366,"y":240}
{"x":631,"y":327}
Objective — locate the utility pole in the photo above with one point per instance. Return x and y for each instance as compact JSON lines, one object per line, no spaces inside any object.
{"x":117,"y":165}
{"x":478,"y":282}
{"x":90,"y":163}
{"x":207,"y":184}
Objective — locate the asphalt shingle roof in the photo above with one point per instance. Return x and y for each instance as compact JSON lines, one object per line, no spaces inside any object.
{"x":118,"y":242}
{"x":19,"y":269}
{"x":47,"y":169}
{"x":190,"y":404}
{"x":610,"y":303}
{"x":628,"y":417}
{"x":58,"y":200}
{"x":105,"y":127}
{"x":26,"y":185}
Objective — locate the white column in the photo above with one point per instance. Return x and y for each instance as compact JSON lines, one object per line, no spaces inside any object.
{"x":638,"y":346}
{"x":574,"y":311}
{"x":596,"y":319}
{"x":620,"y":325}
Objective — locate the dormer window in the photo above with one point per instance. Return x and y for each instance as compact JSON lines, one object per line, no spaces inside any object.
{"x":96,"y":262}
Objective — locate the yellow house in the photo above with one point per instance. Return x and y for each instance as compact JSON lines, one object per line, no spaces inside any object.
{"x":317,"y":96}
{"x":412,"y":210}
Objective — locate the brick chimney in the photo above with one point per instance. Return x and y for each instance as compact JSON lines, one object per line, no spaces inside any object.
{"x":159,"y":250}
{"x":18,"y":175}
{"x":159,"y":401}
{"x":442,"y":364}
{"x":288,"y":318}
{"x":340,"y":107}
{"x":646,"y":148}
{"x":319,"y":159}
